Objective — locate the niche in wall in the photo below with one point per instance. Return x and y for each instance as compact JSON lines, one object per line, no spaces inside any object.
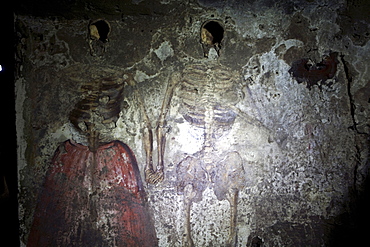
{"x":212,"y":34}
{"x":99,"y":30}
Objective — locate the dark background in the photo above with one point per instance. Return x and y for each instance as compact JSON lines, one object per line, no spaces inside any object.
{"x":8,"y":155}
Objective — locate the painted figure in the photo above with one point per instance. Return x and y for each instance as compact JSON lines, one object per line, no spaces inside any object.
{"x":208,"y":94}
{"x":93,"y":194}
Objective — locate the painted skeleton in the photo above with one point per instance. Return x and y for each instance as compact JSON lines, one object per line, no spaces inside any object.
{"x":208,"y":93}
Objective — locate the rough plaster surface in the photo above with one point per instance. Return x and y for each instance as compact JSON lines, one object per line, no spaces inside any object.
{"x":304,"y":171}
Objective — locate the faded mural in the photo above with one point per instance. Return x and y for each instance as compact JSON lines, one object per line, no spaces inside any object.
{"x":93,"y":193}
{"x":200,"y":123}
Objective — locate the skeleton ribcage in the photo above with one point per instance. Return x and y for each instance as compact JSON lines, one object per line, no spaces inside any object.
{"x":206,"y":92}
{"x":100,"y":105}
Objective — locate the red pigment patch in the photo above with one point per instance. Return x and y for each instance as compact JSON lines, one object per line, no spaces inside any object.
{"x":313,"y":74}
{"x":92,"y":199}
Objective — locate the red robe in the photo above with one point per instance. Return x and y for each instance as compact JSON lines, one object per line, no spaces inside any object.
{"x":93,"y":199}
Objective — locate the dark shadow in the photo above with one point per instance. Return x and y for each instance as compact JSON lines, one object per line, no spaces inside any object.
{"x":216,"y":30}
{"x":8,"y":148}
{"x":103,"y":28}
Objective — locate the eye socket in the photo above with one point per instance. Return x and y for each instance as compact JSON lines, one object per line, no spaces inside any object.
{"x":212,"y":33}
{"x":100,"y":30}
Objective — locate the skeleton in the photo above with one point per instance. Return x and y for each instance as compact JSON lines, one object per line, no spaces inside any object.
{"x":208,"y":94}
{"x":96,"y":115}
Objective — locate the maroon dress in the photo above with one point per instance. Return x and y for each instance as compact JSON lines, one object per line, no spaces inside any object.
{"x":92,"y":199}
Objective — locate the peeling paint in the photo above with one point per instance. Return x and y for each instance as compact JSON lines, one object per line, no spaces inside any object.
{"x":164,"y":51}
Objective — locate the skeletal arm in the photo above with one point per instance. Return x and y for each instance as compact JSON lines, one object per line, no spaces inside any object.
{"x":252,"y":120}
{"x":151,"y":176}
{"x":161,"y":125}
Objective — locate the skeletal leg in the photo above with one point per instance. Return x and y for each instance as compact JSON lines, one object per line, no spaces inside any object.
{"x":189,"y":195}
{"x":232,"y":197}
{"x":229,"y":179}
{"x":191,"y":182}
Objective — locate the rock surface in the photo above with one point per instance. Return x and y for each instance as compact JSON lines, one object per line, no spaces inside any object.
{"x":304,"y":146}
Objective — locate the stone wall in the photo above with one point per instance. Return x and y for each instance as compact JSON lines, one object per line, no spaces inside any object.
{"x":297,"y":118}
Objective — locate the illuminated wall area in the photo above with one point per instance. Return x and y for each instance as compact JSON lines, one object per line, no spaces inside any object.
{"x":193,"y":123}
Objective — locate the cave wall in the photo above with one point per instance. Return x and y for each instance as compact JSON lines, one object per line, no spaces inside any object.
{"x":300,"y":123}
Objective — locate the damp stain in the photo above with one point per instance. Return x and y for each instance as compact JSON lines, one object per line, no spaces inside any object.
{"x":303,"y":70}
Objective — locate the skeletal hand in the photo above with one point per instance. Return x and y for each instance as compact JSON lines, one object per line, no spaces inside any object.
{"x":154,"y":177}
